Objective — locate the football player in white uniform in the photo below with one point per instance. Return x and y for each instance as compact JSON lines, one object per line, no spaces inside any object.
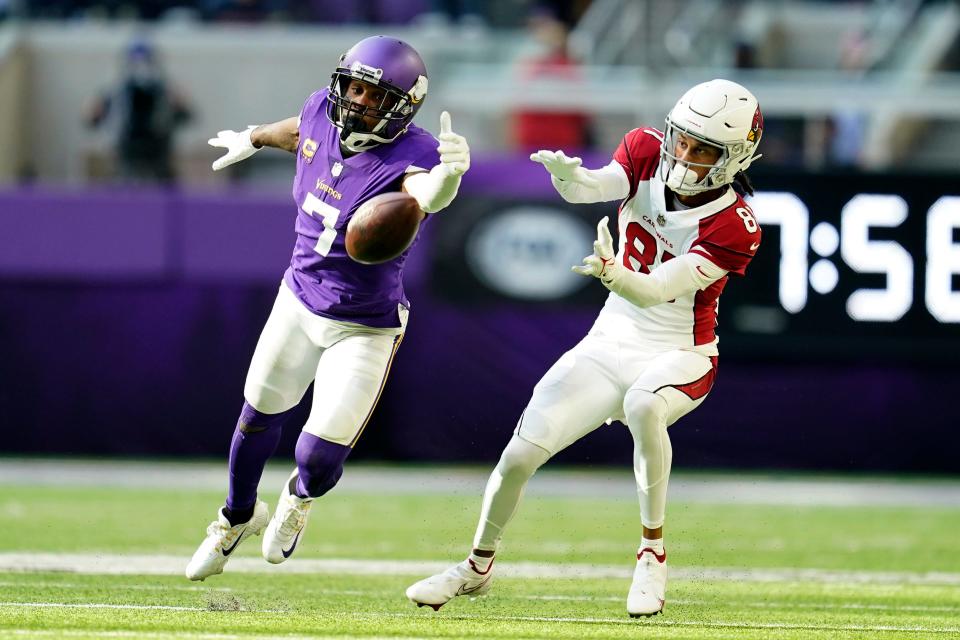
{"x":651,"y":355}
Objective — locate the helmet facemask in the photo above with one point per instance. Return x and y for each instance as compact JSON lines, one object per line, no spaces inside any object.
{"x":679,"y":175}
{"x":394,"y":113}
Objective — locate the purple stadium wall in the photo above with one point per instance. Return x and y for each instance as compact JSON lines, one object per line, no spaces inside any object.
{"x":127,"y":320}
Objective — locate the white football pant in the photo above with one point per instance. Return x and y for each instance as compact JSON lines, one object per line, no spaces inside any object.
{"x":347,"y":362}
{"x":646,"y":386}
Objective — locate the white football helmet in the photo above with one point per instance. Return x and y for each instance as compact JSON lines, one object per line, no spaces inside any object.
{"x":720,"y":113}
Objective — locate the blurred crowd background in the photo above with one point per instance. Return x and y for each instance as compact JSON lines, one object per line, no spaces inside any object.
{"x":867,"y":85}
{"x":134,"y":280}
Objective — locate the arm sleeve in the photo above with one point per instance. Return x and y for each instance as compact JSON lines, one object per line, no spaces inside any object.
{"x":682,"y":275}
{"x":433,"y":190}
{"x":612,"y":184}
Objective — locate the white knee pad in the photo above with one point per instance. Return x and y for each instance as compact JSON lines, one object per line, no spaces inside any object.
{"x":266,"y":400}
{"x":521,"y":459}
{"x":645,"y":413}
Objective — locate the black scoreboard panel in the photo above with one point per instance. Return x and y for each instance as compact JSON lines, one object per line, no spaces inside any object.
{"x":851,"y":266}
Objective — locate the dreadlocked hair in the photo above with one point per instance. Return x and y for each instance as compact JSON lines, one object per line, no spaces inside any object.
{"x":742,"y":184}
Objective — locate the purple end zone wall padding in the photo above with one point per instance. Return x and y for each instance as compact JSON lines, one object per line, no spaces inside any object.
{"x":247,"y":239}
{"x":87,"y":236}
{"x":127,"y":321}
{"x":159,"y":371}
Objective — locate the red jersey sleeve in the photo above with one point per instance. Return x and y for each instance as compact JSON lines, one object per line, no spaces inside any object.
{"x":639,"y":155}
{"x":730,"y":238}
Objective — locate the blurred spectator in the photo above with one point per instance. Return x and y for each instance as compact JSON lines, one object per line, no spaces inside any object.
{"x":744,"y":54}
{"x":366,"y":12}
{"x":440,"y":15}
{"x":145,"y":112}
{"x":458,"y":10}
{"x":568,"y":12}
{"x":538,"y":129}
{"x":847,"y":128}
{"x":143,"y":9}
{"x":237,"y":10}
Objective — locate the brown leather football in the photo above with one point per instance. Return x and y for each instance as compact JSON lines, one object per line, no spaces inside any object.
{"x":383,"y":227}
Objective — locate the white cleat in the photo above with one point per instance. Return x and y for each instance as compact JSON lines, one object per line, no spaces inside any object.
{"x":649,"y":588}
{"x":287,"y":525}
{"x":459,"y":580}
{"x":222,"y":540}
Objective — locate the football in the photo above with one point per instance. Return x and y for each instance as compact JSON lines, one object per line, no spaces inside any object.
{"x":383,"y":227}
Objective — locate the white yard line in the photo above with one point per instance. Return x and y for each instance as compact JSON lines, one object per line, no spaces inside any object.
{"x":616,"y":483}
{"x":66,"y":633}
{"x":197,"y":635}
{"x":766,"y":604}
{"x":660,"y":622}
{"x":116,"y":564}
{"x":96,"y":605}
{"x":134,"y":587}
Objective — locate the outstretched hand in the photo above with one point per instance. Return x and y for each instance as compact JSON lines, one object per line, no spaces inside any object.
{"x":602,"y":263}
{"x":563,"y":167}
{"x":238,"y":146}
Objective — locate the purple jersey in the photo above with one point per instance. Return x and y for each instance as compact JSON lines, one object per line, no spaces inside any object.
{"x":328,"y":189}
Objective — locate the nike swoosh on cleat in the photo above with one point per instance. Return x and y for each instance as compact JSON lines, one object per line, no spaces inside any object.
{"x":286,"y":552}
{"x":463,"y":591}
{"x":227,"y":552}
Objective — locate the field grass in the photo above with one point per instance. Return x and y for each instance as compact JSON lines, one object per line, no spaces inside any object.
{"x":875,"y":572}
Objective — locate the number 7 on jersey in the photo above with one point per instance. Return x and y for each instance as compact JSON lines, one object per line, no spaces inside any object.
{"x":313,"y":205}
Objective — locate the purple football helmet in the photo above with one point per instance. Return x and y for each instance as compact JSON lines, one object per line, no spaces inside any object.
{"x":390,"y":64}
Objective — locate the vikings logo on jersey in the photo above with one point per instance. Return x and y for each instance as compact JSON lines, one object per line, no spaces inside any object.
{"x":756,"y":129}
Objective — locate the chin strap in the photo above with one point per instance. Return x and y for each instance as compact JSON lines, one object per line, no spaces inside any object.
{"x":681,"y":176}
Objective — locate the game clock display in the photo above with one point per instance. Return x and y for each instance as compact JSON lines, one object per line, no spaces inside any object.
{"x":856,"y":263}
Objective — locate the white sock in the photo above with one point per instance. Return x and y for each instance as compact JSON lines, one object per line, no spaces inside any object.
{"x":480,"y":564}
{"x":655,"y":545}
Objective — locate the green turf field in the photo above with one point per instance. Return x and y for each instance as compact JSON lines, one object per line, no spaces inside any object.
{"x":104,"y":562}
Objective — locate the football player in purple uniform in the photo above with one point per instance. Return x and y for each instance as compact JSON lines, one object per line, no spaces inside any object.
{"x":336,"y":323}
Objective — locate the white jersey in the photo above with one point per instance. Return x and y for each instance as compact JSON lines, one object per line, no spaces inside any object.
{"x":724,"y":231}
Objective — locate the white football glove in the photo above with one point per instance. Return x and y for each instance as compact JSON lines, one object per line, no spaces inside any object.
{"x":602,"y":263}
{"x":238,"y":146}
{"x":564,"y":168}
{"x":454,"y":152}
